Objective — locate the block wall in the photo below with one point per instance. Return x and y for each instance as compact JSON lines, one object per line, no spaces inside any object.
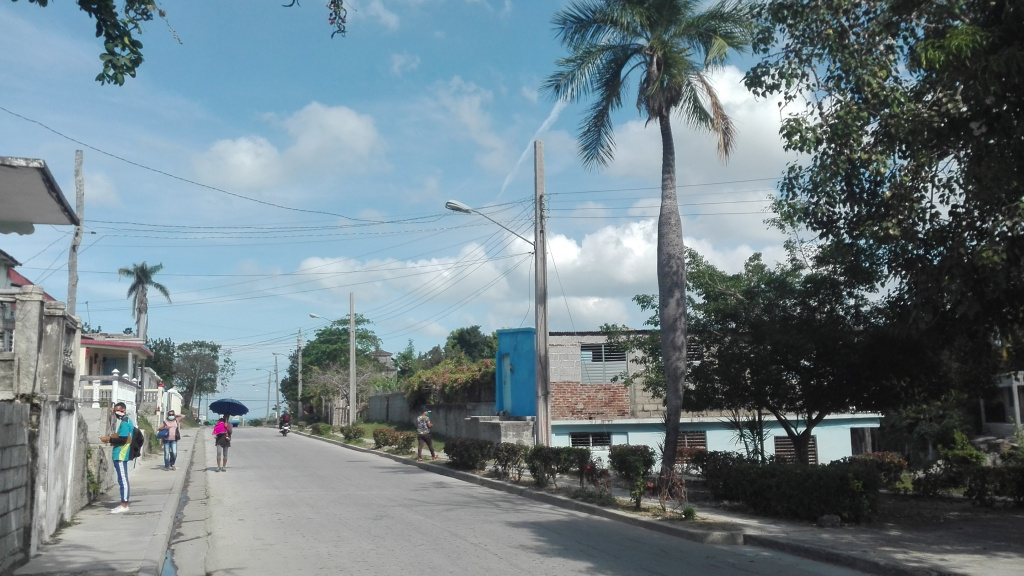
{"x":15,"y":462}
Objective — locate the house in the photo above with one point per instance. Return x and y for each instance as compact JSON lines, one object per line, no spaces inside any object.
{"x":113,"y":370}
{"x":589,"y":409}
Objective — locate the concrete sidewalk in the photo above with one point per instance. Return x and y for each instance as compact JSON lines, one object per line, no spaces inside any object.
{"x":98,"y":542}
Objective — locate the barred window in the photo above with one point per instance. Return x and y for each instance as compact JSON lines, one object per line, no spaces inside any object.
{"x":590,"y":439}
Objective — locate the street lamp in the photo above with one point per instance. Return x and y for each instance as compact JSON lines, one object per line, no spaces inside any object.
{"x":351,"y":356}
{"x":269,"y":375}
{"x":543,"y":432}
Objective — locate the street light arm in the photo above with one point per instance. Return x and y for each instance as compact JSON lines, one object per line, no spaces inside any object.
{"x":456,"y":206}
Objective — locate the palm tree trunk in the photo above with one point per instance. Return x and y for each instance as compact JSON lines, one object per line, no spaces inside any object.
{"x":671,"y":295}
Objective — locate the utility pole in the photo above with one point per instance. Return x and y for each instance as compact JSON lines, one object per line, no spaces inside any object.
{"x":76,"y":240}
{"x":351,"y":358}
{"x":541,"y":306}
{"x":268,"y":398}
{"x":299,"y":415}
{"x":277,"y":387}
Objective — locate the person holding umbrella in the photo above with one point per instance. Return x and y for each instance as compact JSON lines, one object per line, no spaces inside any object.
{"x":222,"y":433}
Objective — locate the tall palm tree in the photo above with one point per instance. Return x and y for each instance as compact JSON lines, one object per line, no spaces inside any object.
{"x":673,"y":46}
{"x":141,"y":276}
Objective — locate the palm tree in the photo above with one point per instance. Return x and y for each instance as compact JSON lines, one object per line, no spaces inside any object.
{"x":673,"y":46}
{"x":142,"y":280}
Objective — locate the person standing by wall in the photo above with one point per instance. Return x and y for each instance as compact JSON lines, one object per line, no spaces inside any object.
{"x":222,"y":432}
{"x":423,"y":426}
{"x":121,"y":444}
{"x":172,"y":425}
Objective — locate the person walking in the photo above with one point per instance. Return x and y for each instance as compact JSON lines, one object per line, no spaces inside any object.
{"x":171,"y":442}
{"x":222,"y":432}
{"x":121,"y":445}
{"x":423,"y":426}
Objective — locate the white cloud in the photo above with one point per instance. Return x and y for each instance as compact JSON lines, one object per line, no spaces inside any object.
{"x":324,"y":142}
{"x":464,"y":102}
{"x":100,"y":191}
{"x":530,"y":93}
{"x":386,"y":17}
{"x":402,"y":63}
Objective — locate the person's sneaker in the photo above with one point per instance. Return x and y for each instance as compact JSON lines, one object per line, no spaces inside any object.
{"x":119,"y":510}
{"x":173,"y":468}
{"x":419,"y":459}
{"x":435,"y":457}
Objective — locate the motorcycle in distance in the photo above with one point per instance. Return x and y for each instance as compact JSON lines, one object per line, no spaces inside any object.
{"x":285,"y":428}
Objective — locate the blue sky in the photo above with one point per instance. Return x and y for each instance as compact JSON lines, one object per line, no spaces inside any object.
{"x":273,"y":170}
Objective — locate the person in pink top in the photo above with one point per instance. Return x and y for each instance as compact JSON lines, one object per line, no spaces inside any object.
{"x":171,"y":424}
{"x":222,"y":431}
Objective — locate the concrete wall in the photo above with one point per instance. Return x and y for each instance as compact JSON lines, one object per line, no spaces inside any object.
{"x":388,"y":408}
{"x":498,"y":430}
{"x":15,"y":487}
{"x":58,"y":472}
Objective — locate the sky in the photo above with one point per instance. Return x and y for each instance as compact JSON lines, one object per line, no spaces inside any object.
{"x":274,"y":170}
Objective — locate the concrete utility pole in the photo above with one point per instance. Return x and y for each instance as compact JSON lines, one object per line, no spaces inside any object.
{"x":76,"y":240}
{"x":299,"y":415}
{"x":277,"y":387}
{"x":540,"y":259}
{"x":351,"y":358}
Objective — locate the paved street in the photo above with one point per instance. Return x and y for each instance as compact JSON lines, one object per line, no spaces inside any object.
{"x":297,"y":506}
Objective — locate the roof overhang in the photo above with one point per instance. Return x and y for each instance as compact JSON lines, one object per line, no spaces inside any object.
{"x":29,"y":195}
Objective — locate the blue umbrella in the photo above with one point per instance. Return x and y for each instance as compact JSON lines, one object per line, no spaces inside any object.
{"x":228,"y":406}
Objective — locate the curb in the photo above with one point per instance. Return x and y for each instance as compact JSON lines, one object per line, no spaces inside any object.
{"x":699,"y":536}
{"x":156,"y":550}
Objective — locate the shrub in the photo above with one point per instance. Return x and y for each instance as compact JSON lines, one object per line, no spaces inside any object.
{"x":322,"y":429}
{"x":384,"y":437}
{"x":352,"y":433}
{"x":469,"y":453}
{"x":889,"y":465}
{"x":600,"y":497}
{"x":405,"y":442}
{"x":509,"y":460}
{"x":986,"y":485}
{"x":543,"y":462}
{"x":579,"y":460}
{"x":846,"y":488}
{"x":633,"y":464}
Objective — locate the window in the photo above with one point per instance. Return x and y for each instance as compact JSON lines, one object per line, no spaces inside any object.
{"x":784,"y":450}
{"x":590,"y":439}
{"x":599,"y":363}
{"x":693,"y":439}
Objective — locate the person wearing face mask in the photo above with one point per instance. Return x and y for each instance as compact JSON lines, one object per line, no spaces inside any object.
{"x":121,"y":448}
{"x":171,"y":442}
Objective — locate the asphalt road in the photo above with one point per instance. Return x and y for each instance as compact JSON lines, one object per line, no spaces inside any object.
{"x":298,"y":506}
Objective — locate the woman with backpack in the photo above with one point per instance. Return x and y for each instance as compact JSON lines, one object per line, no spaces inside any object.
{"x":121,"y":451}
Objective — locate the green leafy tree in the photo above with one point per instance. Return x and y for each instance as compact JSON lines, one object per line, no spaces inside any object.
{"x":673,"y":46}
{"x":455,"y":379}
{"x":121,"y":26}
{"x":328,"y":351}
{"x":162,"y":362}
{"x":141,"y":276}
{"x":472,"y":342}
{"x":906,"y":116}
{"x":200,"y":368}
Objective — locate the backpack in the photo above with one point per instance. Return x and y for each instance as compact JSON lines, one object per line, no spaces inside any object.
{"x":138,"y":441}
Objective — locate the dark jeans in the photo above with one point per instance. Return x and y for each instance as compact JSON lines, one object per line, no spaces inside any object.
{"x":424,"y":439}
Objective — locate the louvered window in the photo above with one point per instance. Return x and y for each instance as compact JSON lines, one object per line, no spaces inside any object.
{"x":784,"y":450}
{"x":599,"y":363}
